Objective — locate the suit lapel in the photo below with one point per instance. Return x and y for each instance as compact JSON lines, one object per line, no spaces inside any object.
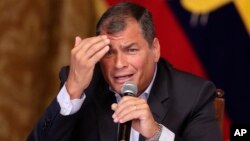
{"x":158,"y":98}
{"x":107,"y":128}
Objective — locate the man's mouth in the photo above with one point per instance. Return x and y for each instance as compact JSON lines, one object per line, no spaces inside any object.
{"x":123,"y":78}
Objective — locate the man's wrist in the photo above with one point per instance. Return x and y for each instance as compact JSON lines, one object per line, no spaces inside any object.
{"x":74,"y":93}
{"x":157,"y":135}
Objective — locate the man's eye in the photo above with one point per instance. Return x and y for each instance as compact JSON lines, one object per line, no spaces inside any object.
{"x":132,"y":50}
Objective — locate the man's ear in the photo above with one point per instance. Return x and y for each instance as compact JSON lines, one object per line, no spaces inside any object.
{"x":156,"y":49}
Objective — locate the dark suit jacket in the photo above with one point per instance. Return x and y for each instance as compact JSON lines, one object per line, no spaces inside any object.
{"x":180,"y":101}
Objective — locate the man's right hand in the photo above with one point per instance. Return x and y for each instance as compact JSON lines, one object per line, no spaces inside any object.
{"x":85,"y":54}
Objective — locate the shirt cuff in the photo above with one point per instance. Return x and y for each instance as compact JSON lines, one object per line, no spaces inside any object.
{"x":68,"y":107}
{"x":166,"y":135}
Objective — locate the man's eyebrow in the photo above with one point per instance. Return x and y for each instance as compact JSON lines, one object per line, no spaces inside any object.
{"x":129,"y":45}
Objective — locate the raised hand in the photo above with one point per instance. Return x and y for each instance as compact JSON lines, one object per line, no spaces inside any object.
{"x":85,"y":54}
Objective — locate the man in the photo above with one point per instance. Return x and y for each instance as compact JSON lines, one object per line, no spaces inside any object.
{"x":170,"y":104}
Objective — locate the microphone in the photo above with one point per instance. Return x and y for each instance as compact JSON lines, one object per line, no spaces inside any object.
{"x":127,"y":89}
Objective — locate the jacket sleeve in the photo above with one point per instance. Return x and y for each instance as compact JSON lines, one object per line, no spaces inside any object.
{"x":53,"y":126}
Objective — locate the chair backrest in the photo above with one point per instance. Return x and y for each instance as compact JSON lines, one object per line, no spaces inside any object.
{"x":219,"y":104}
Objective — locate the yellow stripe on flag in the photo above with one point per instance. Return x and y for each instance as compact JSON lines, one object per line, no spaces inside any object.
{"x":203,"y":6}
{"x":243,"y":7}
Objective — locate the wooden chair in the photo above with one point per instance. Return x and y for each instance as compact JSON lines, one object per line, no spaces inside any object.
{"x":219,"y":104}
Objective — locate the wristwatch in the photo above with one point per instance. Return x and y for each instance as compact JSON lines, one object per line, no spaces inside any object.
{"x":157,"y":135}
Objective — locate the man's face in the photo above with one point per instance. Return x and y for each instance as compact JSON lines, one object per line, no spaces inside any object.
{"x":130,"y":58}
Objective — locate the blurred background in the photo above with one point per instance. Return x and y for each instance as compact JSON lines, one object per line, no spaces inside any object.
{"x":209,"y":38}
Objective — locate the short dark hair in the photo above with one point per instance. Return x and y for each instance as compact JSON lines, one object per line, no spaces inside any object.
{"x":114,"y":19}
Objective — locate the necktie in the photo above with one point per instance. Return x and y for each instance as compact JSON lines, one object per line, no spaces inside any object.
{"x":141,"y":138}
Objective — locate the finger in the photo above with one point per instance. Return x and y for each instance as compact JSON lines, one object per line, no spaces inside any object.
{"x":126,"y":106}
{"x":136,"y":112}
{"x":96,"y":48}
{"x":125,"y":103}
{"x":86,"y":43}
{"x":86,"y":51}
{"x":77,"y":40}
{"x":114,"y":106}
{"x":126,"y":99}
{"x":97,"y":57}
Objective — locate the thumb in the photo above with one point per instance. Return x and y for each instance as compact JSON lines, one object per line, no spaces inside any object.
{"x":114,"y":106}
{"x":77,"y":40}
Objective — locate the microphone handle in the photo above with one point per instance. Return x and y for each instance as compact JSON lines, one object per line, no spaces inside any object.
{"x":124,"y":131}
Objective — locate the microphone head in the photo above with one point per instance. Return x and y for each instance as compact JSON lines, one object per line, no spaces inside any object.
{"x":129,"y":89}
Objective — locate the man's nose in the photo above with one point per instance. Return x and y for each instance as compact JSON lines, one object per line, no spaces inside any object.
{"x":121,"y":61}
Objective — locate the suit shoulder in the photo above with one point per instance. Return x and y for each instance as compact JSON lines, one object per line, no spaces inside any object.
{"x":186,"y":76}
{"x":182,"y":76}
{"x":181,"y":79}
